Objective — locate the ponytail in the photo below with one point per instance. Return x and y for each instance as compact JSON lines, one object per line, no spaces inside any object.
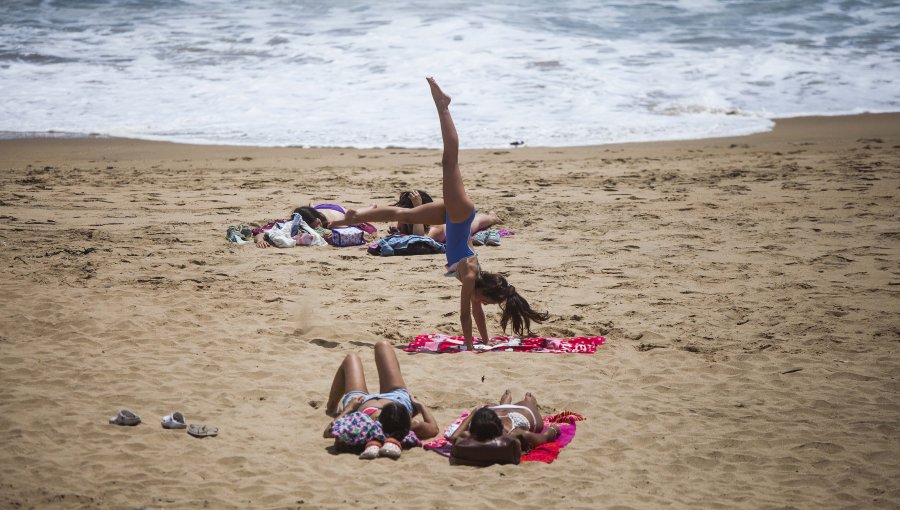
{"x":514,"y":308}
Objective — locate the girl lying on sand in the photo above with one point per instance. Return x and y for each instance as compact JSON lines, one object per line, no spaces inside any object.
{"x":521,"y":421}
{"x":457,"y":212}
{"x":393,"y":407}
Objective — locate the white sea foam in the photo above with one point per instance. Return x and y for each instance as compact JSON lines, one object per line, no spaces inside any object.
{"x":550,"y":73}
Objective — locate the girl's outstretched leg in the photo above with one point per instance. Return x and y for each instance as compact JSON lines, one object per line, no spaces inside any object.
{"x":431,"y":213}
{"x":458,"y":204}
{"x":350,"y":376}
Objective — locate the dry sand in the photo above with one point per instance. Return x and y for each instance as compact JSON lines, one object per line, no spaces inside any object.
{"x":714,"y":268}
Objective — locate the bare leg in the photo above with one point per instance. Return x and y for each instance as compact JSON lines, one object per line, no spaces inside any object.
{"x":428,"y":214}
{"x":389,"y":376}
{"x":459,"y":205}
{"x":483,"y":221}
{"x":350,"y":376}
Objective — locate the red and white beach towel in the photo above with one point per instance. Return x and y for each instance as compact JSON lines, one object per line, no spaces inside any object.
{"x":438,"y":343}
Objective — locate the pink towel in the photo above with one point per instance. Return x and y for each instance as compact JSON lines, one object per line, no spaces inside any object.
{"x":436,"y":342}
{"x":547,"y":452}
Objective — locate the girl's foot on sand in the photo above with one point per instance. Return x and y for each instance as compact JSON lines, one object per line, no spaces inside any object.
{"x":441,"y":100}
{"x":530,"y":398}
{"x":506,"y":398}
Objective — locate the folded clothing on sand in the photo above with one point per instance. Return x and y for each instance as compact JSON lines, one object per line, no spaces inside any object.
{"x":398,"y":244}
{"x":436,"y":342}
{"x":547,"y":452}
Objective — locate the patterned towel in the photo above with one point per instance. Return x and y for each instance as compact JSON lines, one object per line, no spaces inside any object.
{"x":436,"y":342}
{"x":547,"y":452}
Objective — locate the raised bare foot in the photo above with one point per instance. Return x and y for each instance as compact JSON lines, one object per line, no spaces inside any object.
{"x":506,"y":398}
{"x":529,"y":396}
{"x":494,"y":217}
{"x":441,"y":100}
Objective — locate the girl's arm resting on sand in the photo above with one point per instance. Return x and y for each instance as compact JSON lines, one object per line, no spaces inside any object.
{"x":531,"y":439}
{"x":427,"y":428}
{"x":478,"y":315}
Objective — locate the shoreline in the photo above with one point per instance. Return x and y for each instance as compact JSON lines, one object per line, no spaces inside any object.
{"x":801,"y":120}
{"x":747,"y":288}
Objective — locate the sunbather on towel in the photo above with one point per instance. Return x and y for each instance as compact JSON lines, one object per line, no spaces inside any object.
{"x":521,"y":421}
{"x":457,"y":212}
{"x":318,"y":217}
{"x":394,"y":406}
{"x":417,"y":197}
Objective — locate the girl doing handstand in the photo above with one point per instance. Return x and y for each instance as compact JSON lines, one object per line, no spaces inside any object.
{"x":457,"y":211}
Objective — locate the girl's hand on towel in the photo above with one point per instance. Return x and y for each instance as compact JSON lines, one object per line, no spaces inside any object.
{"x":261,"y":241}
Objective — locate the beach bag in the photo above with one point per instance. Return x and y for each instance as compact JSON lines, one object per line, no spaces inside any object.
{"x":347,"y":236}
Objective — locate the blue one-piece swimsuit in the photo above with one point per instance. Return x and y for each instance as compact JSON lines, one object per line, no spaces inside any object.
{"x":458,"y":241}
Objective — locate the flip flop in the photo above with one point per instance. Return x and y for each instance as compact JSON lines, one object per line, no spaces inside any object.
{"x":125,"y":417}
{"x":201,"y":431}
{"x":174,"y":421}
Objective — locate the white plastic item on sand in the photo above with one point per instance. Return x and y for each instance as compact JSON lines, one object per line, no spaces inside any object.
{"x":317,"y":240}
{"x":280,"y":236}
{"x":304,"y":239}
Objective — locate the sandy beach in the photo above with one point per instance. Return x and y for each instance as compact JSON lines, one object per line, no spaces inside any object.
{"x":747,"y":288}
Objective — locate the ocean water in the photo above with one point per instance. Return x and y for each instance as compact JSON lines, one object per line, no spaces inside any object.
{"x":547,"y":72}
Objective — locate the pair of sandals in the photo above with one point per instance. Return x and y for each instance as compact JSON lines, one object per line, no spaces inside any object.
{"x":374,"y":449}
{"x":175,"y":420}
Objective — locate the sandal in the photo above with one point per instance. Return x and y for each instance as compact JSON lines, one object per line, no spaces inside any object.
{"x":201,"y":431}
{"x":174,"y":421}
{"x":125,"y":417}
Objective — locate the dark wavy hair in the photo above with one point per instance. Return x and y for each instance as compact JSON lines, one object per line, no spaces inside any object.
{"x":485,"y":424}
{"x":309,"y":214}
{"x":513,"y":306}
{"x":395,"y":420}
{"x":406,"y":202}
